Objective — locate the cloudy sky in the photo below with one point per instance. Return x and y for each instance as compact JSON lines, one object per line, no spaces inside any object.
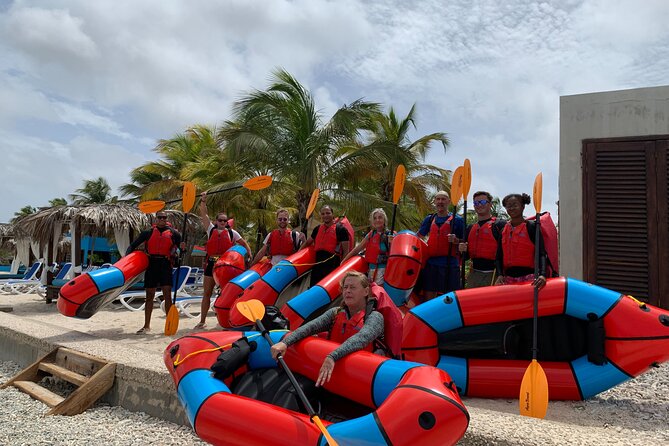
{"x":87,"y":87}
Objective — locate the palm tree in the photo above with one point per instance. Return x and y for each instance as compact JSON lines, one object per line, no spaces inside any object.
{"x":95,"y":191}
{"x":280,"y":131}
{"x":24,"y":211}
{"x":58,"y":202}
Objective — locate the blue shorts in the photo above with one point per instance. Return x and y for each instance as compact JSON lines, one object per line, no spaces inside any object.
{"x":434,"y":278}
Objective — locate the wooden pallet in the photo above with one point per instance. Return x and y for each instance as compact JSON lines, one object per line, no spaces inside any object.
{"x":92,"y":376}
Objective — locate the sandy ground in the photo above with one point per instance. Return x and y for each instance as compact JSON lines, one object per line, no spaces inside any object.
{"x":636,"y":412}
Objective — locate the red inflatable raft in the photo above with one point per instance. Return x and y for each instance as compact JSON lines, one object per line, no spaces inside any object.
{"x":590,"y":338}
{"x":84,"y":295}
{"x":402,"y":403}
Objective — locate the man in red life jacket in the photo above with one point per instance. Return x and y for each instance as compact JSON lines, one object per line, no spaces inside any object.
{"x":482,"y":241}
{"x":332,"y":243}
{"x":281,"y":242}
{"x":220,"y":238}
{"x":444,"y":232}
{"x":160,"y":242}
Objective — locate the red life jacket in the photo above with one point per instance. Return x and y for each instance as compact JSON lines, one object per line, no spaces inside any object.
{"x":517,"y":247}
{"x":219,"y":241}
{"x":481,"y":241}
{"x":550,"y":236}
{"x":373,"y":248}
{"x":326,"y":238}
{"x":160,"y":243}
{"x":437,"y":241}
{"x":344,"y":328}
{"x":391,"y":342}
{"x":281,"y":243}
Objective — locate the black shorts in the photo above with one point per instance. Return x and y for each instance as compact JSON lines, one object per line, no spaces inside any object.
{"x":321,"y":270}
{"x":209,"y":268}
{"x":159,"y":273}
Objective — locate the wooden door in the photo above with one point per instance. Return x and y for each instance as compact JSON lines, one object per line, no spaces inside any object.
{"x":626,"y":217}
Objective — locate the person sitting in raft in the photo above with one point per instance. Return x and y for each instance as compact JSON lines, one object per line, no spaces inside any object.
{"x":376,"y":245}
{"x":515,"y":254}
{"x":346,"y":324}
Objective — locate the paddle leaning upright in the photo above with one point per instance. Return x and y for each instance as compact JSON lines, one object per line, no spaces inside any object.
{"x":466,"y":184}
{"x":254,"y":311}
{"x":533,"y":397}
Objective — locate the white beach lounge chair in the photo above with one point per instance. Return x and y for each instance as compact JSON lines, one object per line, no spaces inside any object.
{"x":35,"y":286}
{"x":136,"y":300}
{"x":31,"y":274}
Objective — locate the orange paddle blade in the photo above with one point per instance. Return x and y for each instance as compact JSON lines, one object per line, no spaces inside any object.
{"x":151,"y":206}
{"x":317,"y":421}
{"x":258,"y":183}
{"x":400,"y":178}
{"x":172,"y":321}
{"x":188,"y":197}
{"x":466,"y":178}
{"x":533,"y":398}
{"x":456,"y":185}
{"x":251,"y":309}
{"x":537,"y":192}
{"x":312,"y":202}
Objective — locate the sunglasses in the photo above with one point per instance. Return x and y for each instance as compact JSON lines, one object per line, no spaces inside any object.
{"x":480,"y":202}
{"x":222,"y":219}
{"x":162,"y":217}
{"x":282,"y":219}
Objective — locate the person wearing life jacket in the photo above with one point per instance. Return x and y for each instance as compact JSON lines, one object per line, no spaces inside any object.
{"x":515,"y":255}
{"x":220,"y":238}
{"x":281,"y":242}
{"x":160,"y":243}
{"x":346,"y":324}
{"x":376,"y":245}
{"x":444,"y":231}
{"x":482,"y":240}
{"x":331,"y":241}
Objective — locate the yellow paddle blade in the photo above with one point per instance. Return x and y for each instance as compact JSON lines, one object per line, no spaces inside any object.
{"x":466,"y":178}
{"x":400,"y":177}
{"x":317,"y":421}
{"x":251,"y":309}
{"x":533,"y":397}
{"x":537,"y":191}
{"x":456,"y":185}
{"x":188,"y":197}
{"x":149,"y":207}
{"x":172,"y":321}
{"x":258,"y":183}
{"x":312,"y":202}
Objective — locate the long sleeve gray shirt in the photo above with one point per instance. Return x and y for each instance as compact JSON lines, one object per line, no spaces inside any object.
{"x":372,"y":329}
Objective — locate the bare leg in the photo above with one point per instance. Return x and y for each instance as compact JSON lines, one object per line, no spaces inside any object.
{"x":148,"y":307}
{"x":206,"y":300}
{"x":167,"y":295}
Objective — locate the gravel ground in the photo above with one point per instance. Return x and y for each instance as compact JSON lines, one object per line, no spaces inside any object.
{"x":23,"y":422}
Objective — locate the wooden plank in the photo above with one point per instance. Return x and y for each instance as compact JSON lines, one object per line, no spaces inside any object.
{"x":79,"y":362}
{"x":89,"y":392}
{"x":32,"y":372}
{"x":40,"y":393}
{"x":63,"y":373}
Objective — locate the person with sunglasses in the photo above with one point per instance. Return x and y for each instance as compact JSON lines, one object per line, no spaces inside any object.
{"x":331,"y":241}
{"x":515,"y":255}
{"x":220,"y":238}
{"x":482,"y":241}
{"x":160,"y":242}
{"x":281,"y":242}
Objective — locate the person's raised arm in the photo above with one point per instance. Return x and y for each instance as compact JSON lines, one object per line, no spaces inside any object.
{"x":203,"y":211}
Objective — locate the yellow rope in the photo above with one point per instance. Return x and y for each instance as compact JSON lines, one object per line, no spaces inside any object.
{"x":305,"y":264}
{"x":641,"y":304}
{"x":179,"y":361}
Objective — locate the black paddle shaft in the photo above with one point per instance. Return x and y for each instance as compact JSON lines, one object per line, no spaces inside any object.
{"x":537,"y":249}
{"x":183,"y":234}
{"x":464,"y":255}
{"x":291,"y":377}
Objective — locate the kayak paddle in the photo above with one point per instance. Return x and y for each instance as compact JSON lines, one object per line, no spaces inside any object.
{"x":400,"y":178}
{"x":466,"y":184}
{"x":310,"y":208}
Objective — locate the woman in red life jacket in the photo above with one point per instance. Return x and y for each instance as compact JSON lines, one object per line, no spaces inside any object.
{"x":482,"y":242}
{"x":220,"y":238}
{"x":160,"y":243}
{"x":331,"y":241}
{"x":515,"y":255}
{"x":281,"y":242}
{"x":376,"y":245}
{"x":346,"y":324}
